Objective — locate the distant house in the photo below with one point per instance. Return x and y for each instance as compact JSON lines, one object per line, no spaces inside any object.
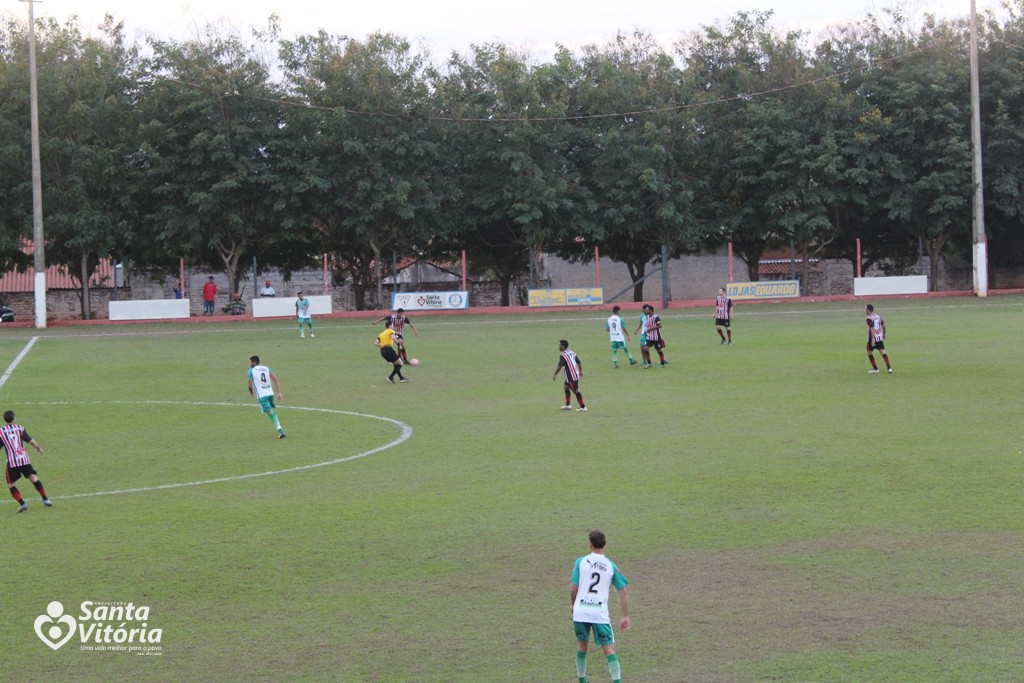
{"x":413,"y":272}
{"x":57,"y":277}
{"x":781,"y":266}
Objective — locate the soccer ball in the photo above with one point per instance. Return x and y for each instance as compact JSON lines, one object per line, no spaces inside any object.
{"x":414,"y":361}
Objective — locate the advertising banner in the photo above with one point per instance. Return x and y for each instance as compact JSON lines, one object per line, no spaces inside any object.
{"x":775,"y":289}
{"x":429,"y":301}
{"x":584,"y":296}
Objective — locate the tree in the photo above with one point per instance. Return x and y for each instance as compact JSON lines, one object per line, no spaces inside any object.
{"x":213,"y":128}
{"x":764,"y":149}
{"x":88,"y":134}
{"x":369,"y":178}
{"x":639,"y":165}
{"x":1002,"y":110}
{"x":514,"y":179}
{"x":925,"y":93}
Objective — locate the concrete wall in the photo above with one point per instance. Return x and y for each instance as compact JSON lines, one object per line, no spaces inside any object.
{"x":691,"y":277}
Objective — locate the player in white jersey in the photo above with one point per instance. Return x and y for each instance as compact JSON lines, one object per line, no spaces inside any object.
{"x":593,"y":576}
{"x":14,"y":437}
{"x":619,"y":337}
{"x":305,"y":318}
{"x":262,"y":385}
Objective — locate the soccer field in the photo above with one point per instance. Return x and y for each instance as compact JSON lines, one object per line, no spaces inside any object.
{"x":782,"y":515}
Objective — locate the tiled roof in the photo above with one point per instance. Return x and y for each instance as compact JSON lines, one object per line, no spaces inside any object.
{"x":56,"y":278}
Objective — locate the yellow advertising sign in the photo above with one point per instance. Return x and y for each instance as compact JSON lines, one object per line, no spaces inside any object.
{"x":776,"y":289}
{"x":584,"y":296}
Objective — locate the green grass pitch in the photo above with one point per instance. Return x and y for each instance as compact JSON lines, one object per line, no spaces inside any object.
{"x":781,"y":514}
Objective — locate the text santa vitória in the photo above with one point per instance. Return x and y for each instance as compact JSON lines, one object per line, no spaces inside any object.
{"x":116,"y":623}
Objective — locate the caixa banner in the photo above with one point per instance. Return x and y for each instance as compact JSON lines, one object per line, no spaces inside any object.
{"x":429,"y":301}
{"x":776,"y":289}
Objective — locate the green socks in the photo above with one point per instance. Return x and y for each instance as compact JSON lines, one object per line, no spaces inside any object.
{"x":581,"y":666}
{"x":613,"y":668}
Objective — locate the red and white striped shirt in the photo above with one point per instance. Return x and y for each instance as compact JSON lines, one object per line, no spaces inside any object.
{"x":722,"y":306}
{"x":397,"y":323}
{"x":14,"y":437}
{"x":653,"y":328}
{"x":571,"y":364}
{"x":876,"y":328}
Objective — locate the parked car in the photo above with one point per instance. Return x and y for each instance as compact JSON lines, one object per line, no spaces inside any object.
{"x":6,"y":313}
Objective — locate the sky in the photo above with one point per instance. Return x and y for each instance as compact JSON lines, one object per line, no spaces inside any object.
{"x":443,"y":26}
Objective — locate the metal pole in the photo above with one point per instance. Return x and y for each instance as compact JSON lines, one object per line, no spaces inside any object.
{"x":978,"y":211}
{"x":38,"y":251}
{"x":665,"y":294}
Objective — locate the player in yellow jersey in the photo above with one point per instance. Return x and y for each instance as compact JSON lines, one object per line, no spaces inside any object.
{"x":385,"y":341}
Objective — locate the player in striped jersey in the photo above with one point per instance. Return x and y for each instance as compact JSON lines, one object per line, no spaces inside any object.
{"x":14,"y":438}
{"x":723,"y":315}
{"x":398,"y":320}
{"x":876,"y":339}
{"x":654,"y":339}
{"x":570,"y":364}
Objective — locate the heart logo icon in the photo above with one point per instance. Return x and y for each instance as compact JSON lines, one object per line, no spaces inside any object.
{"x":54,"y":636}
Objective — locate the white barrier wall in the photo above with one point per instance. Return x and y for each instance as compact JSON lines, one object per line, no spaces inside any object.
{"x":908,"y":284}
{"x":149,"y":309}
{"x":277,"y":307}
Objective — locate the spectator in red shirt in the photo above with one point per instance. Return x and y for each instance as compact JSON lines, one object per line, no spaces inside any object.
{"x":209,"y":293}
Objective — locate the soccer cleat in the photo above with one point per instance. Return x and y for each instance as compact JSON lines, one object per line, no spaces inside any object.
{"x":403,"y":380}
{"x":890,"y":371}
{"x":47,"y":502}
{"x":312,"y":336}
{"x":302,"y":336}
{"x":722,"y":342}
{"x":730,"y":343}
{"x":22,"y":507}
{"x":581,"y":409}
{"x":664,"y":363}
{"x":280,"y":435}
{"x":632,"y":361}
{"x":390,"y":381}
{"x":567,"y":407}
{"x":873,"y":371}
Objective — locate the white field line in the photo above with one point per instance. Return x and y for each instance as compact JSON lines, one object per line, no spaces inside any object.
{"x":16,"y":361}
{"x":406,"y":433}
